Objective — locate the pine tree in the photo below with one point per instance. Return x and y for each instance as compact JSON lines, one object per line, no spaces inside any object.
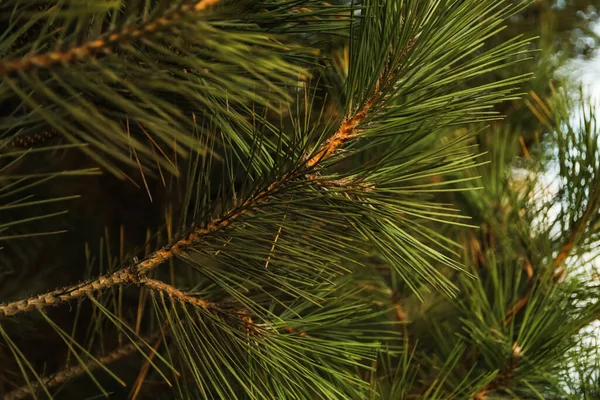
{"x":293,"y":199}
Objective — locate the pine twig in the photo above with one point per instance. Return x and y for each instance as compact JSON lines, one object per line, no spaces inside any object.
{"x":56,"y":297}
{"x":126,"y":276}
{"x":104,"y":43}
{"x":348,"y":129}
{"x":68,"y":373}
{"x":186,"y":298}
{"x":134,"y":273}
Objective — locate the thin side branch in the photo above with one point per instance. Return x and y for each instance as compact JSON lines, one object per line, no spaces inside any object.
{"x":177,"y":294}
{"x":76,"y":370}
{"x":104,"y":43}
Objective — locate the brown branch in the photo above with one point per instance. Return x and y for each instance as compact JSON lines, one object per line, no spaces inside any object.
{"x":347,"y":130}
{"x":59,"y":296}
{"x":244,"y":316}
{"x":349,"y":127}
{"x":177,"y":294}
{"x":134,"y":274}
{"x":104,"y":43}
{"x":73,"y":371}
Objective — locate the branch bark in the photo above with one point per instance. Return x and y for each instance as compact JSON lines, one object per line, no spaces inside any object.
{"x":68,"y":373}
{"x":104,"y":43}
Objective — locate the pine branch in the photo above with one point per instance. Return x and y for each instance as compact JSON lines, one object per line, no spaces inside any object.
{"x":347,"y":130}
{"x":104,"y":43}
{"x":177,"y":294}
{"x":56,"y":297}
{"x":202,"y":341}
{"x":243,"y":315}
{"x":71,"y":372}
{"x":136,"y":273}
{"x":128,"y":276}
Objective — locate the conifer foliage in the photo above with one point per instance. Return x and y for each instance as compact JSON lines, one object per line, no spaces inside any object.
{"x":279,"y":199}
